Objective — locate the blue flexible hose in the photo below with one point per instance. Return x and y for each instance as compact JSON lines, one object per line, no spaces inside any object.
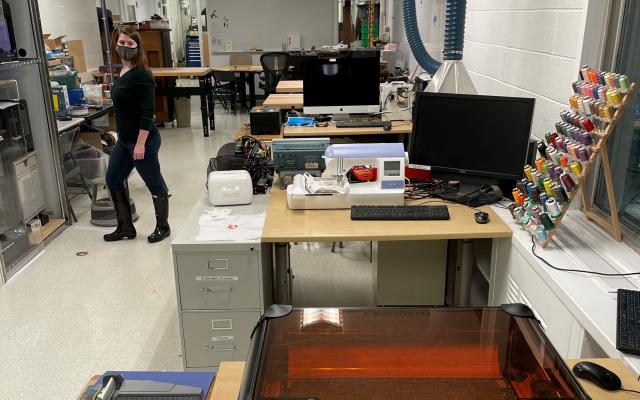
{"x":453,"y":34}
{"x":454,"y":29}
{"x":421,"y":55}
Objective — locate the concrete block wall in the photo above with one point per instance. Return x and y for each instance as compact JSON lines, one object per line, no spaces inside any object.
{"x":526,"y":48}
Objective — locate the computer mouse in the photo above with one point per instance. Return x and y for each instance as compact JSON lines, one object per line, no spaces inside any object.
{"x":598,"y":375}
{"x":481,"y":217}
{"x":386,"y":125}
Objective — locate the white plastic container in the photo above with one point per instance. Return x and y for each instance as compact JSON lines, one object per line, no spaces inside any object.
{"x":230,"y":188}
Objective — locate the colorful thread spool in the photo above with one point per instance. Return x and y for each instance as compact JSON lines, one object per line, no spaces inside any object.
{"x":576,"y":168}
{"x":568,"y":182}
{"x":541,"y":234}
{"x":546,"y":221}
{"x":561,"y":195}
{"x":527,"y":172}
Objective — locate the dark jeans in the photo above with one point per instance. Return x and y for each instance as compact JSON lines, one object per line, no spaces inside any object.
{"x":121,"y":164}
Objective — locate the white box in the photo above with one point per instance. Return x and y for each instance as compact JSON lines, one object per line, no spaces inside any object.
{"x":230,"y":187}
{"x":294,"y":42}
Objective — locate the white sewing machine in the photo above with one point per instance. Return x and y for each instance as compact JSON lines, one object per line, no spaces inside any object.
{"x":335,"y":191}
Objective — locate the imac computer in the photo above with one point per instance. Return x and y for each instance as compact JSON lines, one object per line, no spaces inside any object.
{"x":477,"y":140}
{"x":346,"y":85}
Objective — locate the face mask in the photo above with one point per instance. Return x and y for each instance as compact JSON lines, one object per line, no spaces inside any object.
{"x":126,"y":53}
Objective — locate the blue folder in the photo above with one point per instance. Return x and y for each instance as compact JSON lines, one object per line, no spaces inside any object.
{"x":198,"y":379}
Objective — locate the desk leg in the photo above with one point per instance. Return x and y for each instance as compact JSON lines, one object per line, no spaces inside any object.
{"x":463,"y":274}
{"x":203,"y":105}
{"x":252,"y":90}
{"x":210,"y":104}
{"x":243,"y":89}
{"x":283,"y":276}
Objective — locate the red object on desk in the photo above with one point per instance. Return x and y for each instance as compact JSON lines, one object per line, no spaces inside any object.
{"x":417,"y":171}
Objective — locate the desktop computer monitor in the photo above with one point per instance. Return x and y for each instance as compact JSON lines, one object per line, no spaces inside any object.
{"x":342,"y":85}
{"x":480,"y":140}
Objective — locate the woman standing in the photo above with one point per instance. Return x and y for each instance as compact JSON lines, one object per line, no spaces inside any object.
{"x":133,"y":95}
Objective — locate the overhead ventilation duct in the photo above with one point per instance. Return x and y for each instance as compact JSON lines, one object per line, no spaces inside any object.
{"x":450,"y":76}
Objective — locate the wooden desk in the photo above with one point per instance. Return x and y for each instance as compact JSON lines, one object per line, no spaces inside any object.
{"x":229,"y":377}
{"x":285,"y":100}
{"x":629,"y":380}
{"x":228,"y":381}
{"x":184,"y":72}
{"x":289,"y":87}
{"x":204,"y":90}
{"x":398,"y":128}
{"x":246,"y":131}
{"x":283,"y":225}
{"x":243,"y":71}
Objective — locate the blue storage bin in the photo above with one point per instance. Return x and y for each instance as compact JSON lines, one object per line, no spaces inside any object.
{"x":76,"y":97}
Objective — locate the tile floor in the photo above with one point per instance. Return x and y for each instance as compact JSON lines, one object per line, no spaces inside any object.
{"x":64,"y":318}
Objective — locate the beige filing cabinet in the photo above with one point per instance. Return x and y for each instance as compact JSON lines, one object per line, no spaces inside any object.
{"x":222,"y":289}
{"x":410,"y":272}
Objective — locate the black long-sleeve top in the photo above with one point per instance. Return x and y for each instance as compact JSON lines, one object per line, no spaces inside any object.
{"x":133,"y":97}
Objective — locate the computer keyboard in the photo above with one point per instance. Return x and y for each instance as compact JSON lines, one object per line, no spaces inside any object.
{"x":628,"y":329}
{"x":376,"y":123}
{"x":399,"y":213}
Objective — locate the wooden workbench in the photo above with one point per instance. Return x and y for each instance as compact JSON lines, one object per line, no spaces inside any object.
{"x":289,"y":87}
{"x":238,"y":68}
{"x":285,"y":225}
{"x":397,"y":128}
{"x":184,"y":72}
{"x":285,"y":100}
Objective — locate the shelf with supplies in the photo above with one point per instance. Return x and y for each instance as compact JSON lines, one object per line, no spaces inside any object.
{"x":9,"y":65}
{"x":579,"y":143}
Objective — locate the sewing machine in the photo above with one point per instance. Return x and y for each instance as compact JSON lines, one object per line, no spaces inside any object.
{"x":337,"y":191}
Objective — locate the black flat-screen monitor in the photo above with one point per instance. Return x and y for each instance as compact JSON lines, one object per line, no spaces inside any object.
{"x":341,"y":85}
{"x":476,"y":139}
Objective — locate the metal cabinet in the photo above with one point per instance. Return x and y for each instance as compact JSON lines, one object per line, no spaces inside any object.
{"x":222,"y":289}
{"x":212,"y":337}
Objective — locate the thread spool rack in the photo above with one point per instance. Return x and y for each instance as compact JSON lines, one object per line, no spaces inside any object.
{"x":599,"y":151}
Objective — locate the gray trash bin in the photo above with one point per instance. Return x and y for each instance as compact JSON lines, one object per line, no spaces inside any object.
{"x":183,"y":111}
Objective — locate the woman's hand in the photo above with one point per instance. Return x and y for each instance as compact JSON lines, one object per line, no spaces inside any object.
{"x":138,"y":151}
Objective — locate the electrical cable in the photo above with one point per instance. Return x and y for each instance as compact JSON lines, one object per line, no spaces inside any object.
{"x":630,"y":391}
{"x":533,"y":250}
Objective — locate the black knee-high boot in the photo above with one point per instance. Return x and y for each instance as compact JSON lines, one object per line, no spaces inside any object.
{"x":122,"y":206}
{"x":161,"y":205}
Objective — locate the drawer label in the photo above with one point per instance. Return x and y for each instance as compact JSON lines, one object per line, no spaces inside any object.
{"x":221,"y":338}
{"x":210,"y":278}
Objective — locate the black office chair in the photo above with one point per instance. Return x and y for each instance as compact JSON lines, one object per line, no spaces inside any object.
{"x":275,"y":67}
{"x":225,"y":88}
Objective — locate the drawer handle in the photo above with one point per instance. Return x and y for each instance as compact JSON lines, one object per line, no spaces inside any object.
{"x":218,"y":263}
{"x":226,"y":348}
{"x":216,"y":290}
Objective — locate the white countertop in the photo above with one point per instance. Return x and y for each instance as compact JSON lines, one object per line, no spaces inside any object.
{"x":65,"y":125}
{"x":587,"y":297}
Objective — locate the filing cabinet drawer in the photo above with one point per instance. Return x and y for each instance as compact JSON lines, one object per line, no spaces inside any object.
{"x":211,"y":337}
{"x":219,"y":280}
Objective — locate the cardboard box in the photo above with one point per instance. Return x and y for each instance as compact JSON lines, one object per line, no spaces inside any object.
{"x":90,"y":138}
{"x":76,"y":50}
{"x":53,"y":42}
